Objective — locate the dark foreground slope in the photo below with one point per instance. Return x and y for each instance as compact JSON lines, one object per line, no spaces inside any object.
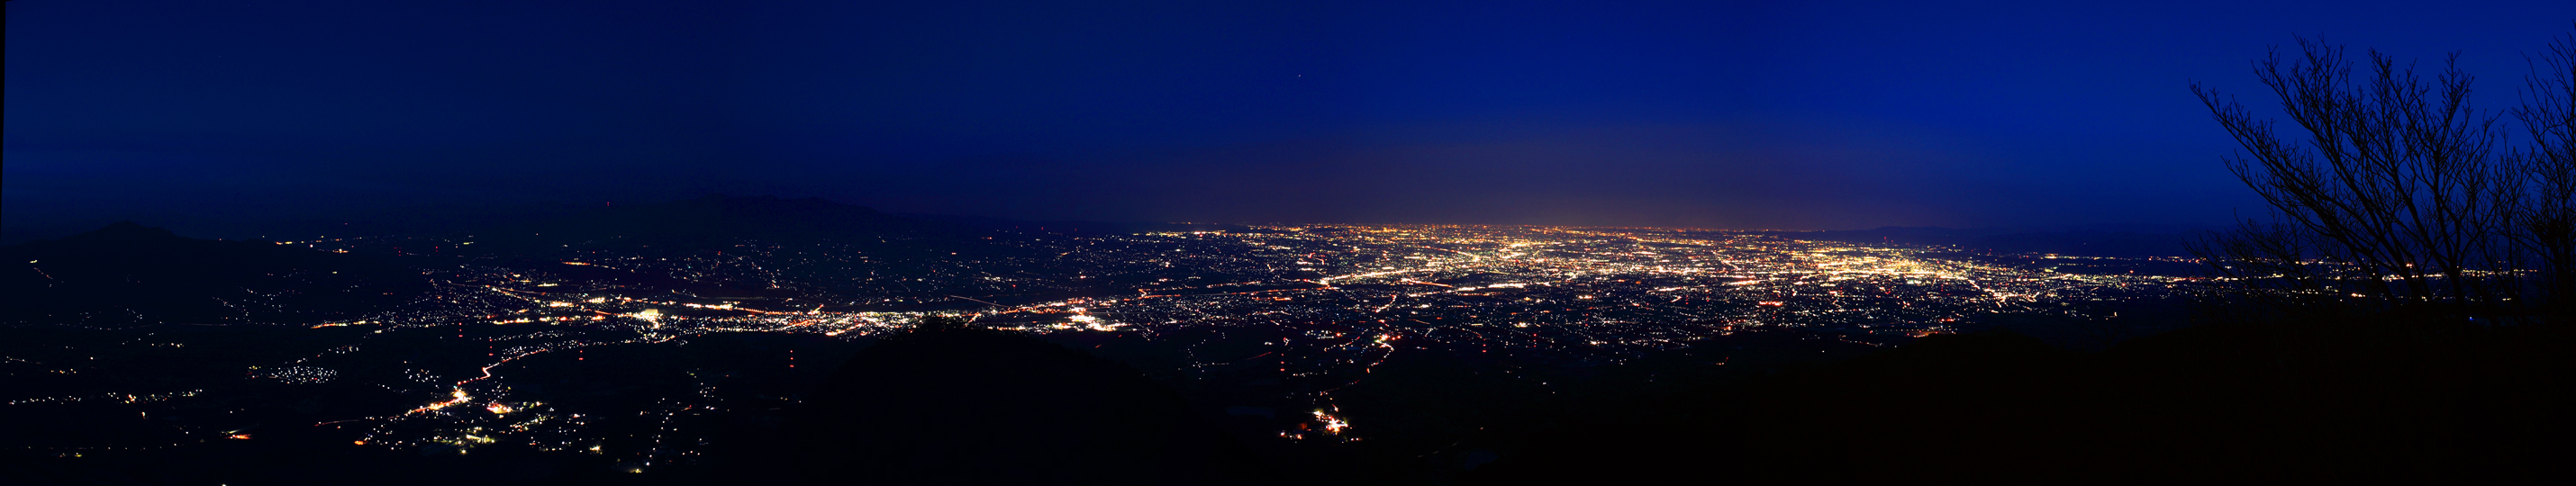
{"x":130,"y":274}
{"x":2235,"y":403}
{"x":947,"y":404}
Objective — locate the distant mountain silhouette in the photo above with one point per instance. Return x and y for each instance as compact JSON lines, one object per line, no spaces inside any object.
{"x":714,"y":222}
{"x":127,"y":273}
{"x":2081,"y":242}
{"x":1074,"y":227}
{"x":951,"y":404}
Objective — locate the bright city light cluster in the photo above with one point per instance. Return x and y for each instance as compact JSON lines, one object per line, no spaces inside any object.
{"x":640,"y":355}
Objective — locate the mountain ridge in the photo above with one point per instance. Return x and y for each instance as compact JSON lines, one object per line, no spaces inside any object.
{"x":2075,"y":242}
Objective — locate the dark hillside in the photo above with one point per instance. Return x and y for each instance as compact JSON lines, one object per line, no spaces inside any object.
{"x":130,"y":274}
{"x":2262,"y":403}
{"x":948,"y":404}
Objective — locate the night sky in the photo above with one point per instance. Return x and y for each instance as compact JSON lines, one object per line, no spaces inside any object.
{"x":210,"y":117}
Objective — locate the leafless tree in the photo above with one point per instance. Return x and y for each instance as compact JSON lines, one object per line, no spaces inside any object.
{"x":2546,"y":230}
{"x":2394,"y":197}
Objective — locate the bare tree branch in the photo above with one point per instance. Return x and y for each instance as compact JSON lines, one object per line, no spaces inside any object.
{"x":2396,"y":199}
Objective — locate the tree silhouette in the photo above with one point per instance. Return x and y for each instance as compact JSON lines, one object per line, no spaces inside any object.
{"x":2396,"y":198}
{"x":2548,"y":115}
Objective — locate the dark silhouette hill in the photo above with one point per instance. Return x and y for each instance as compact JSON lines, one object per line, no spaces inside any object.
{"x":953,"y":404}
{"x":127,"y":273}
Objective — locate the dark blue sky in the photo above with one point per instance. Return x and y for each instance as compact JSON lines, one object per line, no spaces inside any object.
{"x":207,"y":116}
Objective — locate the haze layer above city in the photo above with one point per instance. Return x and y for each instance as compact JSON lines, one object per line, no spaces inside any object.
{"x":237,"y":120}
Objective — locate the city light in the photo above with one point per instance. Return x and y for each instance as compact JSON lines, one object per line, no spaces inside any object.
{"x":1324,"y":305}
